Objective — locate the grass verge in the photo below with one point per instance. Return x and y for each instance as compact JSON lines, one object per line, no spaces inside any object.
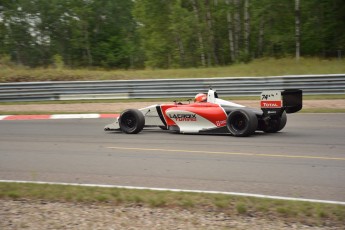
{"x":296,"y":211}
{"x":258,"y":67}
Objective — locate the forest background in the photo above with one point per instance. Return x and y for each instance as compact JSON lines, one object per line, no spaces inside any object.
{"x":137,"y":34}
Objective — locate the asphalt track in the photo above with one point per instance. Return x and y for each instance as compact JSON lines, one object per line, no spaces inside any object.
{"x":305,"y":160}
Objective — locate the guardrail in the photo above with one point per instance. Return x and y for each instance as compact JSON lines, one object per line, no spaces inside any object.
{"x":168,"y":88}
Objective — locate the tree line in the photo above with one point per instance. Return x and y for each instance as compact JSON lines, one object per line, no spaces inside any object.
{"x":167,"y":33}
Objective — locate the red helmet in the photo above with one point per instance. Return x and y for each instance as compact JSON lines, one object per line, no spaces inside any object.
{"x":200,"y":97}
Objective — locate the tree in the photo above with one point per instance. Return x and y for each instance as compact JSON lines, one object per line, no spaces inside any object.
{"x":167,"y":33}
{"x":210,"y":32}
{"x":246,"y":27}
{"x":153,"y":21}
{"x":200,"y":37}
{"x":79,"y":31}
{"x":323,"y":27}
{"x":298,"y":28}
{"x":230,"y":32}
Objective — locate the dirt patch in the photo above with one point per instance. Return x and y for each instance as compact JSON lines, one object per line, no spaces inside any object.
{"x":31,"y":214}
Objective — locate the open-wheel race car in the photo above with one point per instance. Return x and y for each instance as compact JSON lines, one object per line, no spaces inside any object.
{"x":212,"y":115}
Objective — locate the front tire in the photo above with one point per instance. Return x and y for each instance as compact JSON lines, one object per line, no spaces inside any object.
{"x":242,"y":123}
{"x":131,"y":121}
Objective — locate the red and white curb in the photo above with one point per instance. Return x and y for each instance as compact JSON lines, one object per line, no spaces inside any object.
{"x":56,"y":116}
{"x":181,"y":190}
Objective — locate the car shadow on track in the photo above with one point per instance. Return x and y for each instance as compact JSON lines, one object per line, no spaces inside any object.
{"x":153,"y":130}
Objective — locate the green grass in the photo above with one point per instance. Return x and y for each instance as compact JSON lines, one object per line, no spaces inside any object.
{"x":258,"y":67}
{"x":304,"y":212}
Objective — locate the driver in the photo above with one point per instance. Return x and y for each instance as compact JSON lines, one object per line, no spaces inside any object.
{"x":200,"y":97}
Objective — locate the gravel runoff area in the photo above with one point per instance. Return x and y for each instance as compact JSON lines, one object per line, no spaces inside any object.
{"x":29,"y":214}
{"x":120,"y":106}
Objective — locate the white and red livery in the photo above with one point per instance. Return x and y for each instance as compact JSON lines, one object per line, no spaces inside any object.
{"x":210,"y":114}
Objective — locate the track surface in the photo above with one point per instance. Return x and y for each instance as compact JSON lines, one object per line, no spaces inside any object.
{"x":306,"y":160}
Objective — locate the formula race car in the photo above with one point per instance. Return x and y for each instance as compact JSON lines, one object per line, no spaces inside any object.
{"x":210,"y":114}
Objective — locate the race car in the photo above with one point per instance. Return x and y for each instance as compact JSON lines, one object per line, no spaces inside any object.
{"x":211,"y":115}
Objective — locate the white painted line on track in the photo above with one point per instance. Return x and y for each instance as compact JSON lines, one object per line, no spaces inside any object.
{"x":232,"y":153}
{"x":56,"y":116}
{"x":181,"y":190}
{"x":74,"y":116}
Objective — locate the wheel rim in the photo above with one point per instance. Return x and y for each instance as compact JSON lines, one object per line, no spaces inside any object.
{"x":129,"y":121}
{"x":239,"y":122}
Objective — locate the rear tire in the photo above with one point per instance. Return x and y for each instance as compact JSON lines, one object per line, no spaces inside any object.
{"x":242,"y":123}
{"x":131,"y":121}
{"x":275,"y":125}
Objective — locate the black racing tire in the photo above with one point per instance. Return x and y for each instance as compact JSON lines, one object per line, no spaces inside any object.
{"x":283,"y":120}
{"x":275,"y":125}
{"x":242,"y":123}
{"x":131,"y":121}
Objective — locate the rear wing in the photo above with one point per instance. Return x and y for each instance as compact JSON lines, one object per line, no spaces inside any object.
{"x":289,"y":100}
